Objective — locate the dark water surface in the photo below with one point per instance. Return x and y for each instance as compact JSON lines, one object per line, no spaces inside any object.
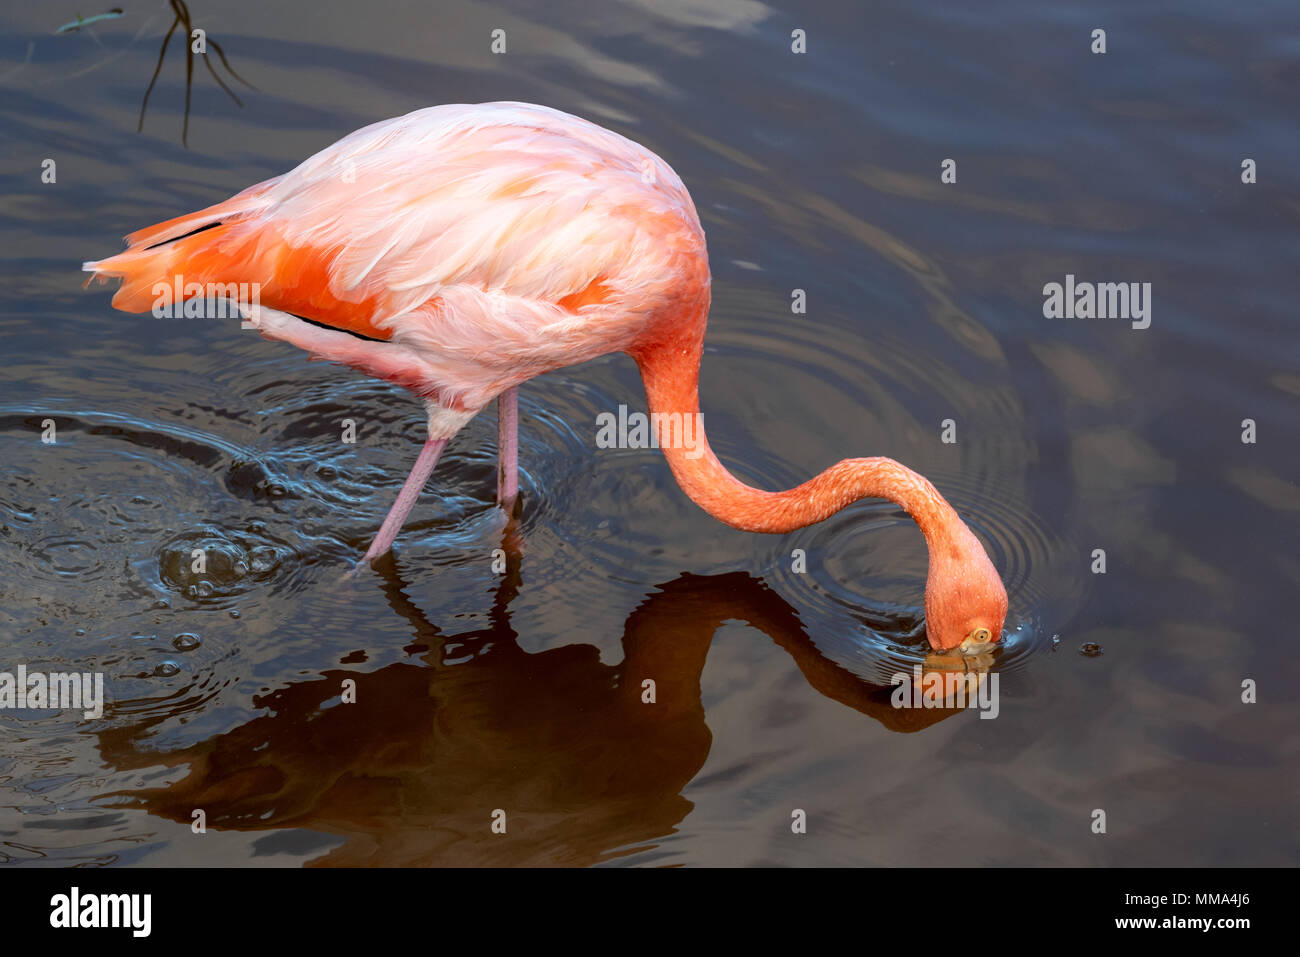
{"x":520,"y":691}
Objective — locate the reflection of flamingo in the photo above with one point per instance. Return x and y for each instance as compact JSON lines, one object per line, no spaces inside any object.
{"x":408,"y":773}
{"x":462,"y":250}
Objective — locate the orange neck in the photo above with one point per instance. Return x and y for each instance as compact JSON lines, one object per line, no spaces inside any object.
{"x":670,"y":371}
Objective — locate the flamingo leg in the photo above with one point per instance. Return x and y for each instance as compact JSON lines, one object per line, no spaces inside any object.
{"x":508,"y":448}
{"x":406,"y":498}
{"x":384,"y":360}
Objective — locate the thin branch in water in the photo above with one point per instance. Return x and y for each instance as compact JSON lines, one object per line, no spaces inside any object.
{"x":182,"y":16}
{"x":156,"y":70}
{"x":229,"y":92}
{"x":230,"y":69}
{"x":80,"y":22}
{"x":189,"y":73}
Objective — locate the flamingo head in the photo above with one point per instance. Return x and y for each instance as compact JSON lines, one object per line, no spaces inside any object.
{"x":965,"y":601}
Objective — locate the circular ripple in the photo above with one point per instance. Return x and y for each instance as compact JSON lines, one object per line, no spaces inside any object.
{"x":869,"y":562}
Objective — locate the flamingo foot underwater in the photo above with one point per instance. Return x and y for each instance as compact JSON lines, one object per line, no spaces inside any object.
{"x":461,"y":250}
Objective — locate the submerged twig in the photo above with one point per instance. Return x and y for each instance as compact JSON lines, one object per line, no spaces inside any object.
{"x":80,"y":22}
{"x":182,"y":16}
{"x":156,"y":70}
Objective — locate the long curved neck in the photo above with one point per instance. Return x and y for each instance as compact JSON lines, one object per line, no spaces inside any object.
{"x":671,"y":375}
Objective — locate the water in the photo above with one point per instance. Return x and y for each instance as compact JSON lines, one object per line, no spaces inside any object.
{"x":477,"y":691}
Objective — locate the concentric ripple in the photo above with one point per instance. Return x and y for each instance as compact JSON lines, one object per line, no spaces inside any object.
{"x":869,"y":564}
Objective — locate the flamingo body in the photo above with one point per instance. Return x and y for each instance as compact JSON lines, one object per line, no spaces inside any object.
{"x":487,"y":243}
{"x":461,"y":250}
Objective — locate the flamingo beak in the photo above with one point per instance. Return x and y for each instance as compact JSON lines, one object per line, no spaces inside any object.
{"x":978,"y":642}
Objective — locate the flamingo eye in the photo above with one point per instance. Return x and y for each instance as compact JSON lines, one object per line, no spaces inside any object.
{"x":981,"y":635}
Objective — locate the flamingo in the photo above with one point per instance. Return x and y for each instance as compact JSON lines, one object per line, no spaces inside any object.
{"x":461,"y":250}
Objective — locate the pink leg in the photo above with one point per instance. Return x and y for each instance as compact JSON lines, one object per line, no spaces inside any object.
{"x":508,"y":448}
{"x":411,"y":489}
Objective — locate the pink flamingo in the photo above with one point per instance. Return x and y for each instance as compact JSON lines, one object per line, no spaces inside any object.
{"x":462,"y":250}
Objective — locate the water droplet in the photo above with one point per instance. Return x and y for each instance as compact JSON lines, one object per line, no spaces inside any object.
{"x":1056,"y":641}
{"x":166,"y":669}
{"x":234,"y":613}
{"x":1090,"y":649}
{"x":186,"y":642}
{"x":80,"y":632}
{"x":162,"y":603}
